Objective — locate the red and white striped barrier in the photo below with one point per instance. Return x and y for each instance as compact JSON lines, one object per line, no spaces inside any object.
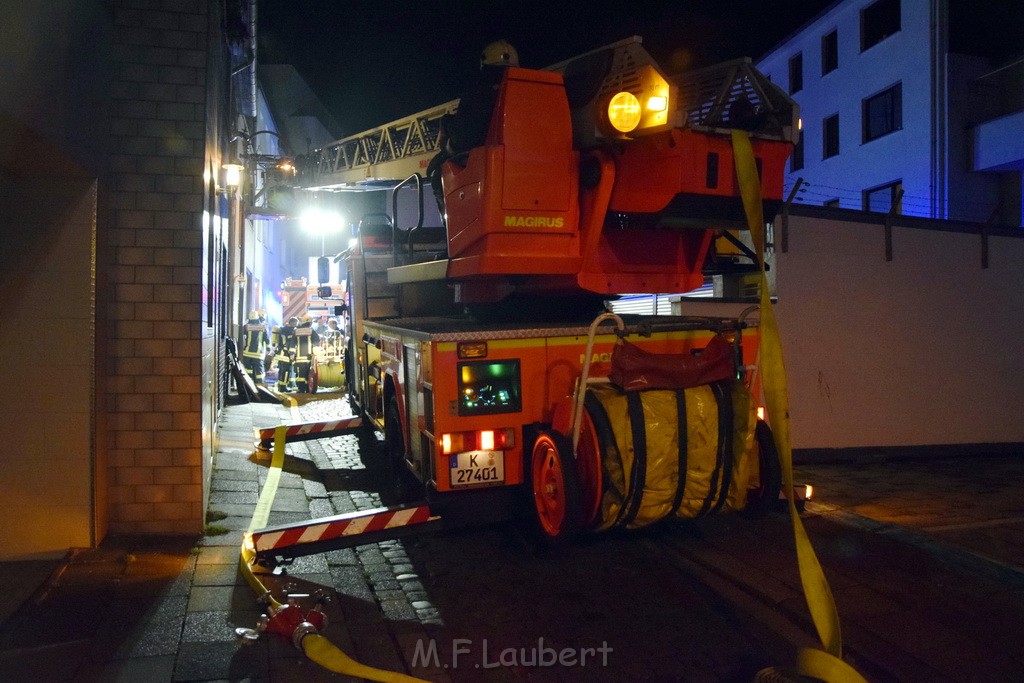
{"x":293,"y":302}
{"x":310,"y":430}
{"x":341,"y":531}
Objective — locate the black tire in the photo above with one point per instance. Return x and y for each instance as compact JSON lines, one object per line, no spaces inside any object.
{"x":395,"y":469}
{"x":350,"y":381}
{"x":554,"y":488}
{"x":765,"y":496}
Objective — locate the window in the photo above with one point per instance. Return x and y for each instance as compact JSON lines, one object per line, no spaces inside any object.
{"x":796,"y":73}
{"x":879,"y":21}
{"x":711,"y":172}
{"x":829,"y":53}
{"x":830,"y":137}
{"x":881,"y":199}
{"x":883,"y":113}
{"x":796,"y":161}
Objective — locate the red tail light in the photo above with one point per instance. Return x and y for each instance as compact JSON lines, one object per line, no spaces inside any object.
{"x":482,"y":440}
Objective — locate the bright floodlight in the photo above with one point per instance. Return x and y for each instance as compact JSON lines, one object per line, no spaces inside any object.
{"x":321,"y":221}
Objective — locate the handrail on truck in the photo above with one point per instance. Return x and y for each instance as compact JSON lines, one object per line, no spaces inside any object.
{"x":418,"y":180}
{"x":362,"y":253}
{"x":713,"y":324}
{"x":581,"y":387}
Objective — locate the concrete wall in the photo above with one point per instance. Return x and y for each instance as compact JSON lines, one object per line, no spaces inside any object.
{"x":52,"y":135}
{"x":47,"y":335}
{"x":920,"y":350}
{"x":113,"y":124}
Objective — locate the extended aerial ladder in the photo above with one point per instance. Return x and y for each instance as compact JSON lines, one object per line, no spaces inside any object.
{"x":380,"y":157}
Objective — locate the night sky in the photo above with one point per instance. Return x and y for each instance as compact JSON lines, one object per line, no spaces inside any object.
{"x":376,"y":61}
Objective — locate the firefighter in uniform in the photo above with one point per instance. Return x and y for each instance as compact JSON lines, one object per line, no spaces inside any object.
{"x":254,"y":347}
{"x":332,"y":339}
{"x":275,"y":348}
{"x":305,"y":339}
{"x":284,"y":348}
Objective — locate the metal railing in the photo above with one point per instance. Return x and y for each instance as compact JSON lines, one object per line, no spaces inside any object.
{"x":735,"y":94}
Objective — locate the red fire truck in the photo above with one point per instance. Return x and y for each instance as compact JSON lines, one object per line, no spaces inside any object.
{"x":480,"y":349}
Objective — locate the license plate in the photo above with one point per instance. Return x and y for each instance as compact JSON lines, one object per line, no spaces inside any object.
{"x":477,"y":468}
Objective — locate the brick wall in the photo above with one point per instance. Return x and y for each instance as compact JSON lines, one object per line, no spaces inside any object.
{"x":155,"y":255}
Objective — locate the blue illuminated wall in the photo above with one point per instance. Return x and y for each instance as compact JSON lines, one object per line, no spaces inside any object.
{"x":930,"y":153}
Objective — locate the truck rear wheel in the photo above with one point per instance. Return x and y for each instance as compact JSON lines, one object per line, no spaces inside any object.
{"x":394,"y":452}
{"x":555,"y":487}
{"x":765,"y":495}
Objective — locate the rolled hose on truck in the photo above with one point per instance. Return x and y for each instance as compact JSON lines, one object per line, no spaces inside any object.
{"x":683,"y":453}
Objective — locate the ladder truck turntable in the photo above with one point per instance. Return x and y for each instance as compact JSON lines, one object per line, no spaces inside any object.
{"x":600,"y":176}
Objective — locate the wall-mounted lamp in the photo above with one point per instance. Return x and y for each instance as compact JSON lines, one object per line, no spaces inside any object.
{"x":232,"y":175}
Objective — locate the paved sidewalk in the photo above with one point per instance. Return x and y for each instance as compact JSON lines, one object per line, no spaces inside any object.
{"x":973,"y":503}
{"x":922,"y":557}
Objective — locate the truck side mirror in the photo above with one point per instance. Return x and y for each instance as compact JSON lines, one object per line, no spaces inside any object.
{"x":323,"y":270}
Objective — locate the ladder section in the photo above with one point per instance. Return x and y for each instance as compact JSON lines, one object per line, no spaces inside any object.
{"x":381,"y":156}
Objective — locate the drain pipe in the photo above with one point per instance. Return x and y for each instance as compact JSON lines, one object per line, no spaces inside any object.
{"x":251,"y":63}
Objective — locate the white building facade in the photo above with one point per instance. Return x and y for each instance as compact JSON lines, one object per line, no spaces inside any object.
{"x":891,"y":116}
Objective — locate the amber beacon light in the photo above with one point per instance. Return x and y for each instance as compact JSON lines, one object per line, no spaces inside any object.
{"x":644,"y":108}
{"x":624,"y":112}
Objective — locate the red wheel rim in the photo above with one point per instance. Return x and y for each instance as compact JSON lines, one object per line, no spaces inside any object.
{"x":548,"y":487}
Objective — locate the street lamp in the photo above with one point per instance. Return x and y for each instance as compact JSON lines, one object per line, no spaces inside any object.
{"x":232,"y":175}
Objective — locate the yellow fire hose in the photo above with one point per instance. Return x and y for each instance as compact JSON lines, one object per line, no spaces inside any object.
{"x":826,"y":664}
{"x":316,"y":647}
